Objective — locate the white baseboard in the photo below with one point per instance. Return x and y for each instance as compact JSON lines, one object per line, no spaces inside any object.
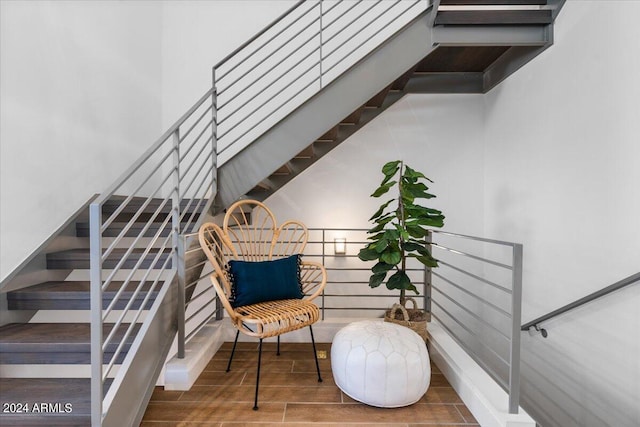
{"x":180,"y":374}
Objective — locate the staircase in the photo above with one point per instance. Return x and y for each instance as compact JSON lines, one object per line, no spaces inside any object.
{"x":125,"y":313}
{"x":49,"y":363}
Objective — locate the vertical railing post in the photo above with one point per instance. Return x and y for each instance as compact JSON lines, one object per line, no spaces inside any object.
{"x":95,"y":241}
{"x":428,"y":239}
{"x":516,"y":314}
{"x":177,"y":240}
{"x":321,"y":43}
{"x":323,"y":263}
{"x":214,"y":137}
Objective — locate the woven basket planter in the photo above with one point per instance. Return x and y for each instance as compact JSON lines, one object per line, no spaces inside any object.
{"x":419,"y":327}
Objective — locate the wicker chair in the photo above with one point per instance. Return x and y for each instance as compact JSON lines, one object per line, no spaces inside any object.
{"x":250,"y":233}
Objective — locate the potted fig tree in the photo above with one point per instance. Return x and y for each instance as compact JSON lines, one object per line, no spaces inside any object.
{"x":400,"y":227}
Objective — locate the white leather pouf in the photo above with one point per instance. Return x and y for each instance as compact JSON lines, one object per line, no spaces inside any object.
{"x":380,"y":363}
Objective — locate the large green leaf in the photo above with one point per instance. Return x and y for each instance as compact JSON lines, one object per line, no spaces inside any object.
{"x":391,"y":256}
{"x":376,"y":279}
{"x":411,"y":173}
{"x":416,"y":231}
{"x":399,"y":280}
{"x":381,"y":245}
{"x":427,"y":260}
{"x":381,"y":267}
{"x":368,"y":254}
{"x":390,"y":168}
{"x":383,"y":189}
{"x":380,"y":210}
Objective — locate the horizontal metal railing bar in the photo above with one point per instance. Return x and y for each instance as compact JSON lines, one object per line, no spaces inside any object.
{"x":273,"y":111}
{"x":342,"y":13}
{"x":360,"y":282}
{"x":479,"y":239}
{"x":470,"y":352}
{"x":126,"y":201}
{"x":468,"y":255}
{"x":336,"y":4}
{"x":277,"y":79}
{"x":145,"y":156}
{"x":198,"y":265}
{"x":186,"y":189}
{"x":359,"y":296}
{"x":133,"y":322}
{"x":475,"y":276}
{"x":584,"y":300}
{"x":472,"y":314}
{"x":200,"y":295}
{"x":324,"y":72}
{"x":484,"y":301}
{"x":205,"y":160}
{"x":304,"y":73}
{"x":134,"y":219}
{"x":294,"y":50}
{"x":132,"y":271}
{"x":184,"y":136}
{"x":473,"y":334}
{"x":357,"y":308}
{"x":202,"y":200}
{"x":261,"y":32}
{"x":198,"y":327}
{"x":184,"y":154}
{"x":130,"y":250}
{"x":345,"y":26}
{"x":201,"y":309}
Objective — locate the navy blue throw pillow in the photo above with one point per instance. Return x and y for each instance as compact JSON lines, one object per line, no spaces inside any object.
{"x":259,"y":281}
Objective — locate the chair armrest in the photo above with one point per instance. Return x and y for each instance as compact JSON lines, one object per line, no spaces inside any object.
{"x":314,"y":278}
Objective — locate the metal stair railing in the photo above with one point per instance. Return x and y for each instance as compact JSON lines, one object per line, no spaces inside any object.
{"x":294,"y":58}
{"x":167,"y":190}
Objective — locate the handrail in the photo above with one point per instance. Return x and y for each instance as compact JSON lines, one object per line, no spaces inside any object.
{"x":584,"y":300}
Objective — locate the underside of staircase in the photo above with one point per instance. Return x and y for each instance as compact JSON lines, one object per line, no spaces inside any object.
{"x":466,"y":51}
{"x":453,"y":51}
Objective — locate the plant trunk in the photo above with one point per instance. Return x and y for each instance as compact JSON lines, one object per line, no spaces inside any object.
{"x":403,"y":265}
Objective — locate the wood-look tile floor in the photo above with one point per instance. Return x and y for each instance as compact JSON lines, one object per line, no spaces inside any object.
{"x":290,"y":395}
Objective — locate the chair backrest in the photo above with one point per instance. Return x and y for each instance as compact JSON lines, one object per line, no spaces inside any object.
{"x":249,"y":233}
{"x":252,"y":233}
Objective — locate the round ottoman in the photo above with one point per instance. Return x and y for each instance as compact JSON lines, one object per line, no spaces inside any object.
{"x":380,"y":364}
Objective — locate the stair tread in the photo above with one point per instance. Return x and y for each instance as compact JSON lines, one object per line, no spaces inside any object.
{"x":76,"y":295}
{"x":80,"y":258}
{"x":56,"y":337}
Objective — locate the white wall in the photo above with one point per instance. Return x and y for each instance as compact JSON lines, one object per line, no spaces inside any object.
{"x":80,"y":84}
{"x":198,"y":34}
{"x":418,"y":129}
{"x":87,"y":86}
{"x":562,"y":173}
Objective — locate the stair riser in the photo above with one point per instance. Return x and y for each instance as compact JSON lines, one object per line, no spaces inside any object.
{"x":55,"y":358}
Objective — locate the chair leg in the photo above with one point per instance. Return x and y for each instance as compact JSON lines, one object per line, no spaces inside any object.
{"x":233,"y":350}
{"x":315,"y":354}
{"x":278,"y":351}
{"x":255,"y":402}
